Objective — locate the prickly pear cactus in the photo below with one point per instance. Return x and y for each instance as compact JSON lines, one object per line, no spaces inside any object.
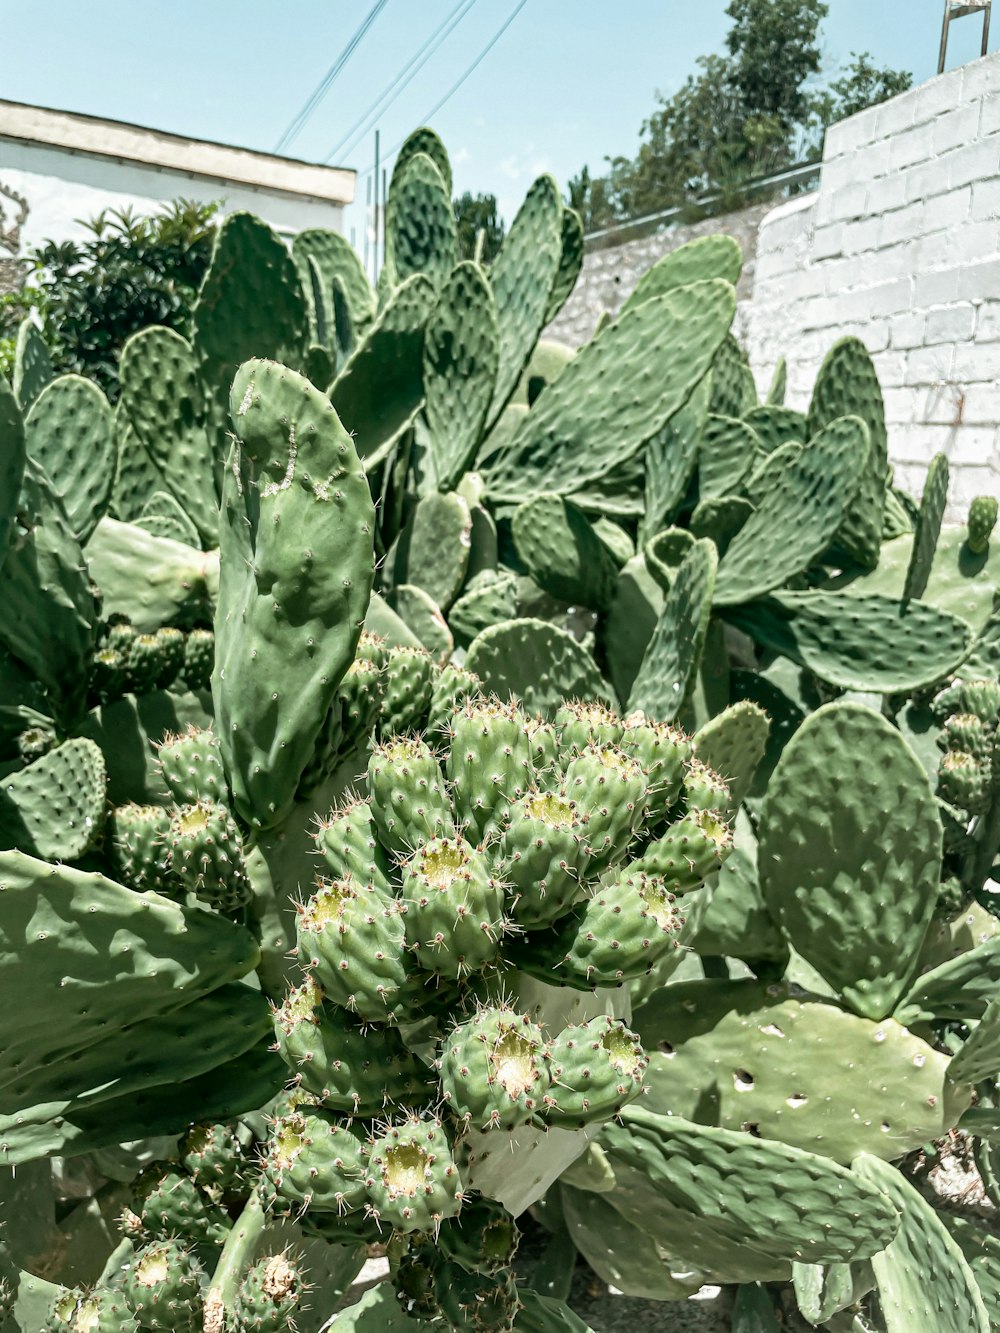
{"x":290,"y":612}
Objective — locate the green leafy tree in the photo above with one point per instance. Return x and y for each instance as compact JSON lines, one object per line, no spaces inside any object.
{"x":746,"y":114}
{"x":133,"y":272}
{"x":773,"y":51}
{"x":14,"y":307}
{"x":863,"y":85}
{"x":477,"y":213}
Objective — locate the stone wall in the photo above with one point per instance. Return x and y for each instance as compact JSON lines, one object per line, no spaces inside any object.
{"x":609,"y":275}
{"x":901,"y":246}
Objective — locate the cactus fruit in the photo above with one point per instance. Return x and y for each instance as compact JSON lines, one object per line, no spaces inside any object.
{"x":140,"y":853}
{"x":597,"y":1068}
{"x":495,"y":1069}
{"x":168,"y":1204}
{"x":191,"y":766}
{"x":488,"y":762}
{"x":105,"y":1311}
{"x":336,"y":1060}
{"x":483,"y":1238}
{"x":61,"y":1314}
{"x":963,"y":783}
{"x":312,"y":1164}
{"x":409,"y":803}
{"x":543,"y":852}
{"x":270,"y":1293}
{"x":351,"y":935}
{"x":164,"y":1286}
{"x":477,"y":1302}
{"x":688,"y":852}
{"x":154,"y":660}
{"x":608,"y":788}
{"x":616,"y":935}
{"x":199,"y":659}
{"x":453,"y":908}
{"x":412,"y":1181}
{"x":213,"y":1158}
{"x":348,"y":842}
{"x":206,"y":855}
{"x":409,"y":684}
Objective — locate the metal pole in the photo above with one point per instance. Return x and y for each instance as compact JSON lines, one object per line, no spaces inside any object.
{"x":944,"y":36}
{"x":953,"y":10}
{"x":385,"y":211}
{"x":368,"y":228}
{"x":375,"y":261}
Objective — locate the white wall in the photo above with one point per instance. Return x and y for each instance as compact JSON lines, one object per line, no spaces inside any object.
{"x":62,"y":186}
{"x":901,"y":246}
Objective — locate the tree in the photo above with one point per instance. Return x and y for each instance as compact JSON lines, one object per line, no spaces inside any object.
{"x":863,"y":85}
{"x":773,"y":50}
{"x":475,"y":213}
{"x":135,"y":271}
{"x":743,"y":115}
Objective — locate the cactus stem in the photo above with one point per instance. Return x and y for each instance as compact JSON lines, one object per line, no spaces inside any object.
{"x":235,"y":1255}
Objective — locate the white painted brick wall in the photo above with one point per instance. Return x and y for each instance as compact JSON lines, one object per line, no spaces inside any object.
{"x":901,"y":247}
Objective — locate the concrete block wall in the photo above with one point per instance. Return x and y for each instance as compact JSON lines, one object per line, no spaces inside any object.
{"x":901,"y":246}
{"x":610,"y":275}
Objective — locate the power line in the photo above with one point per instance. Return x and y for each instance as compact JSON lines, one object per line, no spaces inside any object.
{"x":458,"y":82}
{"x":323,"y":87}
{"x":402,"y":79}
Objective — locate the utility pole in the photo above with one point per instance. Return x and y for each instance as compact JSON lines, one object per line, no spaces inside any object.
{"x":368,"y":225}
{"x":385,"y":212}
{"x":960,"y":9}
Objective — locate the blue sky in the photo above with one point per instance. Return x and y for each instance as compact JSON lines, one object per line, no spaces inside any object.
{"x":569,"y":82}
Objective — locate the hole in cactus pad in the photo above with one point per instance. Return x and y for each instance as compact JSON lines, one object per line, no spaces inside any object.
{"x":743,"y":1081}
{"x":441,"y":861}
{"x":513,"y":1063}
{"x":551,"y":810}
{"x":622,"y":1052}
{"x":405,"y":1168}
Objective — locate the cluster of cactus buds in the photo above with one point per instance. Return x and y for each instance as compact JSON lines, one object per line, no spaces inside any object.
{"x":126,"y":661}
{"x":513,"y":846}
{"x":969,"y":773}
{"x":194,"y":846}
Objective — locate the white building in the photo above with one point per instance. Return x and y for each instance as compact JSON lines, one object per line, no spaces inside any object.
{"x":57,"y":167}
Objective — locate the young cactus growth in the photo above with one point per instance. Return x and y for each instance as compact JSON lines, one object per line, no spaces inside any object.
{"x":981,"y":522}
